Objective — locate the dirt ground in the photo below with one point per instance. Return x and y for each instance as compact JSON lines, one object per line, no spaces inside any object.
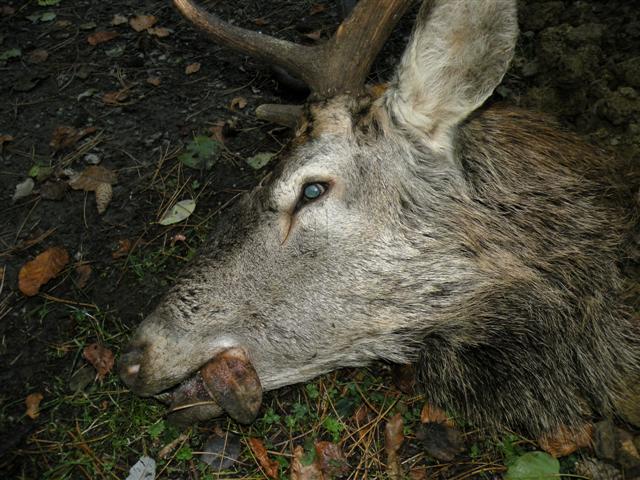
{"x":138,"y":108}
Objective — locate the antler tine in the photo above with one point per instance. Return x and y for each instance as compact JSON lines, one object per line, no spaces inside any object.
{"x":357,"y":42}
{"x":339,"y":66}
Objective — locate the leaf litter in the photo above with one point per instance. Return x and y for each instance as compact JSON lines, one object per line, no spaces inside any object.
{"x":41,"y":269}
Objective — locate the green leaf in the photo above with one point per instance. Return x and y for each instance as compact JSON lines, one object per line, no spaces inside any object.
{"x":47,"y":17}
{"x":259,"y":160}
{"x":156,"y":429}
{"x":42,"y":17}
{"x":48,"y":3}
{"x":9,"y":54}
{"x":185,"y":453}
{"x":202,"y":152}
{"x":40,"y":172}
{"x":179,"y":212}
{"x":533,"y":466}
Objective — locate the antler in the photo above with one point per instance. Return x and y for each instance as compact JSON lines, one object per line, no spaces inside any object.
{"x":339,"y":66}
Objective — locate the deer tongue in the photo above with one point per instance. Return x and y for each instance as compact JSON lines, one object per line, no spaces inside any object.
{"x":227,"y":383}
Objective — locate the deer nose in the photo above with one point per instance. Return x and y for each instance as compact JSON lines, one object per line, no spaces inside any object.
{"x":129,"y":364}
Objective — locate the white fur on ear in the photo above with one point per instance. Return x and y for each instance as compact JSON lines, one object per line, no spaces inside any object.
{"x":457,"y":55}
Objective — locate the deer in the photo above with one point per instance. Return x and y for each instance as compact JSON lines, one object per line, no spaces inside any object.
{"x":423,"y":224}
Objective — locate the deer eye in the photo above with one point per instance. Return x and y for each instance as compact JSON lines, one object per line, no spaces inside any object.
{"x":313,"y":191}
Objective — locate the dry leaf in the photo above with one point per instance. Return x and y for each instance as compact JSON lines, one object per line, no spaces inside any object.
{"x":404,"y":377}
{"x":159,"y":32}
{"x":115,"y":98}
{"x":315,"y":35}
{"x":192,"y":68}
{"x":118,"y":19}
{"x":83,"y":273}
{"x":217,"y":131}
{"x":101,"y":37}
{"x":155,"y":81}
{"x":169,"y":447}
{"x":100,"y":357}
{"x":418,"y":474}
{"x":65,"y":136}
{"x":91,"y":178}
{"x":53,"y":190}
{"x":300,"y":471}
{"x":440,"y":441}
{"x":38,"y":55}
{"x":104,"y":193}
{"x":237,"y":102}
{"x":393,"y":438}
{"x":7,"y":10}
{"x":23,"y":189}
{"x":431,"y":413}
{"x":261,"y":22}
{"x":124,"y":247}
{"x":33,"y":405}
{"x":142,"y":22}
{"x":564,"y":442}
{"x":4,"y":138}
{"x":41,"y":269}
{"x":269,"y":466}
{"x":318,"y":8}
{"x":331,"y":459}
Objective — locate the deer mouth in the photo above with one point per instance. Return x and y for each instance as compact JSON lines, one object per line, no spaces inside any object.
{"x":228,"y":383}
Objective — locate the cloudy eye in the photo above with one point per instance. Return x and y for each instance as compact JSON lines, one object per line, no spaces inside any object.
{"x":312,"y":191}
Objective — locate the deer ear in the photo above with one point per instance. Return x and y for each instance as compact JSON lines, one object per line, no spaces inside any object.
{"x":457,"y":55}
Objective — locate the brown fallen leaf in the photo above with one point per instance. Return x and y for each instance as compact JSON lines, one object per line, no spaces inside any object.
{"x":4,"y":138}
{"x":115,"y":98}
{"x":101,"y":37}
{"x":270,"y":467}
{"x":155,"y":81}
{"x":331,"y":459}
{"x":192,"y":68}
{"x":440,"y":441}
{"x":237,"y":103}
{"x":41,"y":269}
{"x":217,"y":131}
{"x":100,"y":357}
{"x":564,"y":442}
{"x":261,"y":22}
{"x":65,"y":136}
{"x":124,"y":247}
{"x":53,"y":190}
{"x":91,"y":178}
{"x":104,"y":194}
{"x":83,"y":273}
{"x":300,"y":471}
{"x":7,"y":10}
{"x":393,"y":438}
{"x":160,"y":32}
{"x":404,"y":377}
{"x":141,"y":22}
{"x":33,"y":405}
{"x":38,"y":55}
{"x":418,"y":474}
{"x":431,"y":413}
{"x":171,"y":446}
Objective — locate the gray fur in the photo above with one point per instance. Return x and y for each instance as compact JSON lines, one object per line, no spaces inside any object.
{"x":489,"y":257}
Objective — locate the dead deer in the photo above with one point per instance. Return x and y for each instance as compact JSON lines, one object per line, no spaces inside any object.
{"x":480,"y":242}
